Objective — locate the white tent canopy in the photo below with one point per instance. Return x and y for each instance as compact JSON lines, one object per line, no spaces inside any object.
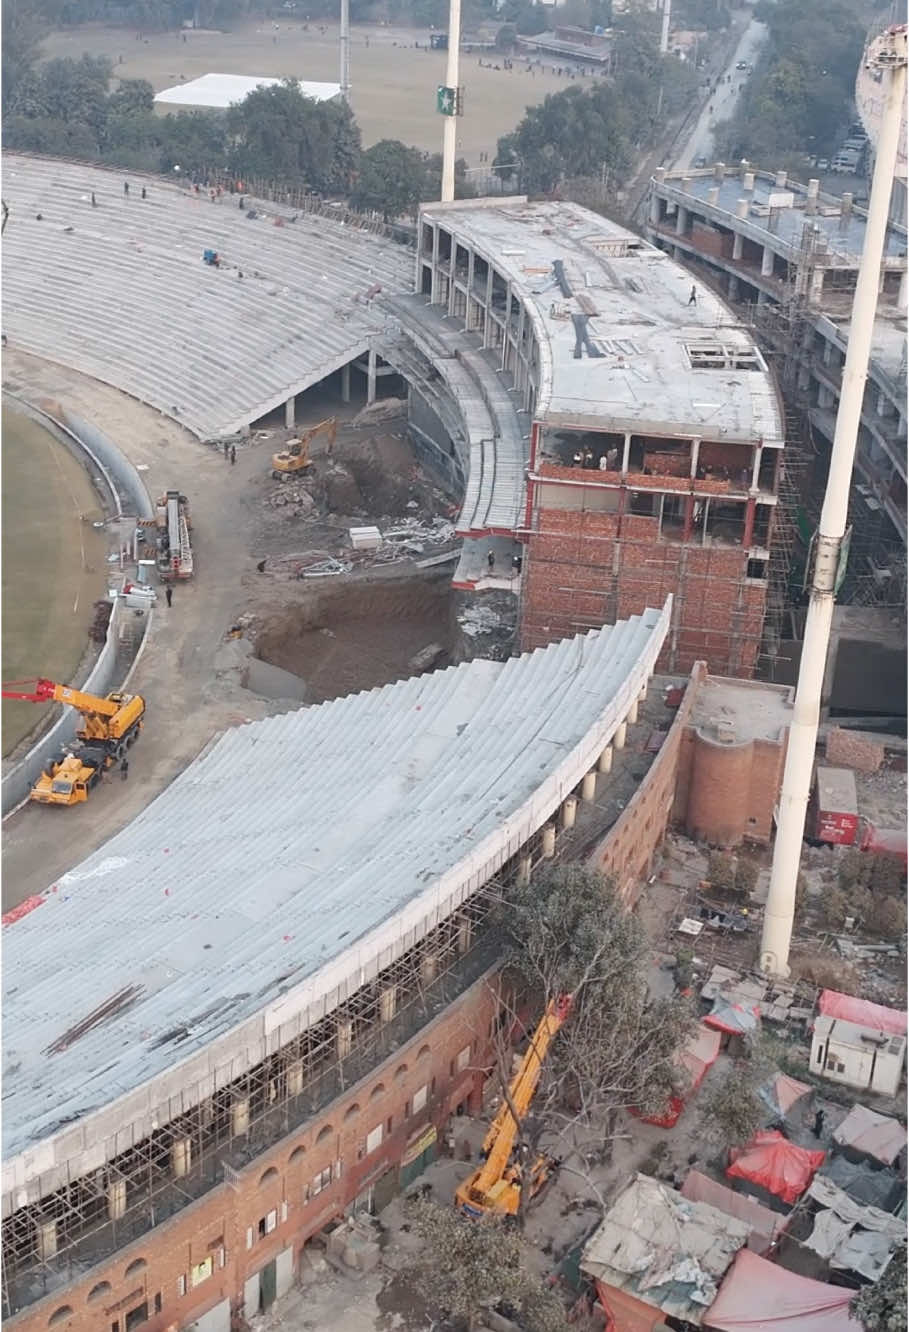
{"x":219,"y":91}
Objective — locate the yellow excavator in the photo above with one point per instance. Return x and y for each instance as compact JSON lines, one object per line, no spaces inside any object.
{"x":296,"y":457}
{"x":108,"y":727}
{"x":497,"y":1184}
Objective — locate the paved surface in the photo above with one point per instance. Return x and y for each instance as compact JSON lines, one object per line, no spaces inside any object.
{"x":724,"y":101}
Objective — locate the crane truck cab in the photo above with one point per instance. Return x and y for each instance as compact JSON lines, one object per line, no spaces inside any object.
{"x":67,"y":780}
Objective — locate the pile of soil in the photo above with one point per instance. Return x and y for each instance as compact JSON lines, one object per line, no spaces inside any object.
{"x":352,"y":635}
{"x":373,"y":476}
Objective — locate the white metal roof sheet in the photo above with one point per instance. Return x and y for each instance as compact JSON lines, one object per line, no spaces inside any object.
{"x":298,"y":854}
{"x":219,"y":91}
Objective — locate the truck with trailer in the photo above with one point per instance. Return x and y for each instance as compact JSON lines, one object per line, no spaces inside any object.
{"x":173,"y":546}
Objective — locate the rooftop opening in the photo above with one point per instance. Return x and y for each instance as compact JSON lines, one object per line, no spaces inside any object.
{"x":715,"y":355}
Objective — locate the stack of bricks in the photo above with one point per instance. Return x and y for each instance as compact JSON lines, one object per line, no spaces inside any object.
{"x":845,"y":749}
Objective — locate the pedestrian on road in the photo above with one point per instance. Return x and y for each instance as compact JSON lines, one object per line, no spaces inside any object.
{"x":693,"y":298}
{"x":233,"y":454}
{"x":819,"y":1123}
{"x":169,"y":594}
{"x":226,"y":447}
{"x":94,"y":200}
{"x":124,"y":770}
{"x":491,"y":560}
{"x":144,"y":192}
{"x":126,"y":188}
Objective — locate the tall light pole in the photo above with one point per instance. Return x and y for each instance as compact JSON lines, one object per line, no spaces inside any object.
{"x":345,"y":50}
{"x":664,"y":28}
{"x":888,"y":54}
{"x":450,"y":131}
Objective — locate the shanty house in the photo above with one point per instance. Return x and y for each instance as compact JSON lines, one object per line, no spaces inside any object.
{"x":858,"y":1056}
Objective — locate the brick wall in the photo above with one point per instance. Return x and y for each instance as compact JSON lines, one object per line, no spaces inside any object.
{"x":588,"y":569}
{"x":847,"y":750}
{"x":625,"y":853}
{"x":726,"y":794}
{"x":225,"y":1224}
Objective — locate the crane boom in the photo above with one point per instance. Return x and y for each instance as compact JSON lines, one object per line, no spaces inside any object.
{"x":45,"y":691}
{"x":484,"y":1189}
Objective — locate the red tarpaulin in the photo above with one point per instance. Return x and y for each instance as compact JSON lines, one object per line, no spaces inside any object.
{"x":694,"y":1060}
{"x":862,"y":1012}
{"x":776,"y":1164}
{"x":757,"y":1296}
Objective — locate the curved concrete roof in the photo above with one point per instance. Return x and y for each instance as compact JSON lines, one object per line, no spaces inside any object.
{"x":284,"y":868}
{"x":120,"y":291}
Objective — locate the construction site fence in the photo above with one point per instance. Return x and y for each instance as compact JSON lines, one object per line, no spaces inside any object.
{"x":126,"y":494}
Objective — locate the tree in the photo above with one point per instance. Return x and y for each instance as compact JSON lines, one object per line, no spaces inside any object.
{"x":569,"y":933}
{"x":468,"y":1265}
{"x":731,"y":1109}
{"x":390,"y":179}
{"x":882,"y":1307}
{"x":506,"y":38}
{"x":278,"y":132}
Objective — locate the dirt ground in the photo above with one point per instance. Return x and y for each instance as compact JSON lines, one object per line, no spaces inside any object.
{"x":53,"y":564}
{"x":393,"y":83}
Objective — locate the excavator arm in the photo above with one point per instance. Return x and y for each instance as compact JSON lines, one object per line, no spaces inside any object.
{"x":45,"y":691}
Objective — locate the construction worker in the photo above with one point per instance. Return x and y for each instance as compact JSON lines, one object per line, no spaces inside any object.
{"x":124,"y":770}
{"x":491,"y":560}
{"x":226,"y":448}
{"x":693,"y":298}
{"x":126,"y":189}
{"x":94,"y":200}
{"x":819,"y":1123}
{"x":233,"y":454}
{"x":144,"y":192}
{"x":169,"y":594}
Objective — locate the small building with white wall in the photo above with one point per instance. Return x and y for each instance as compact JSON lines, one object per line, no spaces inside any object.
{"x":858,"y":1056}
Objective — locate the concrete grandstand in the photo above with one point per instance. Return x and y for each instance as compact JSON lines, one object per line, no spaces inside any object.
{"x":192,"y":993}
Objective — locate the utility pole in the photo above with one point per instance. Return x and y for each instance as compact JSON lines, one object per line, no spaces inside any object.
{"x":887,"y":54}
{"x":345,"y":50}
{"x":450,"y":131}
{"x":664,"y":30}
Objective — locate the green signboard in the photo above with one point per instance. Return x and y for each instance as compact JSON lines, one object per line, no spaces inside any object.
{"x":446,"y":101}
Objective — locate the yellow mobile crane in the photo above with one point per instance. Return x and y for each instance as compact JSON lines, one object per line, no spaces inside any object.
{"x":496,"y":1185}
{"x":107,"y":729}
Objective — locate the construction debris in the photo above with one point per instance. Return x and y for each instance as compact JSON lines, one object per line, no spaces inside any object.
{"x":326,"y":569}
{"x":476,"y":620}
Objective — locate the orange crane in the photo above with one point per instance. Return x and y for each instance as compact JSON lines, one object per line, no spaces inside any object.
{"x":496,"y":1185}
{"x":107,"y":729}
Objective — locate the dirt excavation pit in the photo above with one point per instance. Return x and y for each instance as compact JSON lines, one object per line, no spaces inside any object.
{"x":348,"y":636}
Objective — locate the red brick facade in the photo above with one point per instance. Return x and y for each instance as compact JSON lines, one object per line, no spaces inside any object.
{"x":586,"y":569}
{"x":284,"y":1197}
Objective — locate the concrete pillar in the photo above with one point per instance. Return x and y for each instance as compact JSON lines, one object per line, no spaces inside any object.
{"x":846,"y":205}
{"x":741,"y":208}
{"x":748,"y":536}
{"x":618,"y":740}
{"x":713,"y":196}
{"x":642,"y":696}
{"x":429,"y":967}
{"x":371,"y":379}
{"x":388,"y":1003}
{"x":345,"y":383}
{"x":239,"y":1116}
{"x":525,"y":867}
{"x":344,"y":1038}
{"x":46,"y":1240}
{"x":434,"y":289}
{"x":767,"y":262}
{"x":824,"y":395}
{"x":903,"y":294}
{"x":881,"y":406}
{"x":116,"y":1199}
{"x":589,"y":787}
{"x":780,"y":180}
{"x":744,"y":167}
{"x":695,"y":450}
{"x":569,"y":811}
{"x":290,"y":413}
{"x":756,"y":467}
{"x":293,"y":1078}
{"x":827,"y":353}
{"x":811,"y":196}
{"x":748,"y":182}
{"x":719,"y":171}
{"x":654,"y":210}
{"x":738,"y":245}
{"x":681,"y":221}
{"x":465,"y":934}
{"x":626,"y":452}
{"x":549,"y":840}
{"x":804,"y":378}
{"x":181,"y":1157}
{"x":732,"y":287}
{"x":632,"y":717}
{"x":659,"y":175}
{"x":816,"y":285}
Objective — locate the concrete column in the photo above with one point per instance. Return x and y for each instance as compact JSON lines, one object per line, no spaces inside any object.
{"x":116,"y":1199}
{"x":738,"y":244}
{"x":525,"y":866}
{"x":371,"y":379}
{"x":632,"y":717}
{"x":429,"y":967}
{"x":748,"y":537}
{"x":293,"y":1078}
{"x":903,"y":294}
{"x":846,"y":205}
{"x":695,"y":450}
{"x":465,"y":934}
{"x":827,"y":353}
{"x":748,"y":182}
{"x":290,"y":413}
{"x":824,"y":395}
{"x":756,"y":467}
{"x":344,"y":1038}
{"x":181,"y":1157}
{"x":762,"y":298}
{"x":654,"y":210}
{"x":549,"y":841}
{"x":642,"y":696}
{"x":569,"y":811}
{"x":713,"y":196}
{"x":345,"y":383}
{"x":744,"y":167}
{"x":767,"y":262}
{"x":46,"y":1240}
{"x":604,"y":762}
{"x":719,"y":171}
{"x":239,"y":1116}
{"x":659,"y":175}
{"x":681,"y":221}
{"x":626,"y":452}
{"x":732,"y":287}
{"x":741,"y":208}
{"x":816,"y":286}
{"x":781,"y":178}
{"x":589,"y":787}
{"x":811,"y":196}
{"x":388,"y":1003}
{"x":618,"y":740}
{"x":804,"y":378}
{"x":882,"y":406}
{"x":434,"y":289}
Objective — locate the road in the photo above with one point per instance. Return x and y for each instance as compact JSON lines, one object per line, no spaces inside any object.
{"x":724,"y":101}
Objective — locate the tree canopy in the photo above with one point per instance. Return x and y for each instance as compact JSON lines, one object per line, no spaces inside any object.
{"x":883,"y":1306}
{"x":391,"y":179}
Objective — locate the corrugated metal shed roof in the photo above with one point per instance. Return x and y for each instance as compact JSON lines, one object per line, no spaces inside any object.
{"x":298,"y":854}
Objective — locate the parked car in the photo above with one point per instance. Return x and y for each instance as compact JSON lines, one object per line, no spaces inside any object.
{"x":823,"y":164}
{"x":742,"y":64}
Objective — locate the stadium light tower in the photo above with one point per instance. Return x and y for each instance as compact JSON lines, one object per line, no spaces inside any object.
{"x":345,"y":50}
{"x":448,"y":102}
{"x":887,"y":54}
